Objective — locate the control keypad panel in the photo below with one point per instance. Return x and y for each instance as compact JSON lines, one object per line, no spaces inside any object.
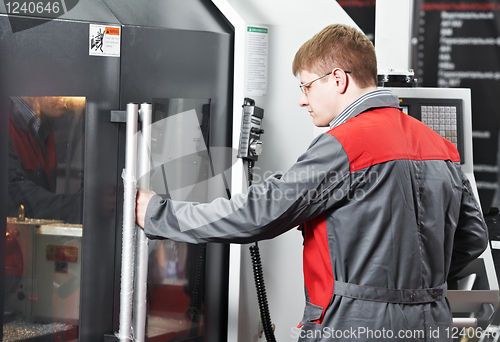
{"x":441,"y":119}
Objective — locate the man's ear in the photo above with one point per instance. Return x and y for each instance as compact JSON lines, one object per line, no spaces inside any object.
{"x":341,"y":80}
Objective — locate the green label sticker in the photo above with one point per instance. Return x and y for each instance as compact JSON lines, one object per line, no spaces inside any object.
{"x":257,"y":29}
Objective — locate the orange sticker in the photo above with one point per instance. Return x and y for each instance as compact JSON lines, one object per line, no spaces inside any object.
{"x":61,"y":253}
{"x":113,"y":30}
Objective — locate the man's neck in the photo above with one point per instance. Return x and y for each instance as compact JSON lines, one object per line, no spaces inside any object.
{"x":358,"y":92}
{"x":350,"y":102}
{"x":353,"y":93}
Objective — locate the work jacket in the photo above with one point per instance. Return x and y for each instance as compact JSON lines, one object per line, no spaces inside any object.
{"x":387,"y":216}
{"x":32,"y":177}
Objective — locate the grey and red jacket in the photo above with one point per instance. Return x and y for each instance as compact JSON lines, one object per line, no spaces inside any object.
{"x":32,"y":172}
{"x":387,"y":217}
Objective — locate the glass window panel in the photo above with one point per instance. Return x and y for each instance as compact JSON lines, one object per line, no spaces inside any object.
{"x":182,"y":170}
{"x":43,"y":242}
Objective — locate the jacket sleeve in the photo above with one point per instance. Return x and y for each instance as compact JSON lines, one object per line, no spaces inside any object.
{"x":319,"y":179}
{"x":471,"y":235}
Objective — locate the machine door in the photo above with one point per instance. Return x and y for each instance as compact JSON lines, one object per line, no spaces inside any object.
{"x":187,"y":78}
{"x":175,"y":161}
{"x":61,"y":182}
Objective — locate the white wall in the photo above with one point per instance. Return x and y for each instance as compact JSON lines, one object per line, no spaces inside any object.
{"x":288,"y":133}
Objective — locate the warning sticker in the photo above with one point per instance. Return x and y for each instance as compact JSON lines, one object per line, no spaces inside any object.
{"x":113,"y":30}
{"x":104,"y":40}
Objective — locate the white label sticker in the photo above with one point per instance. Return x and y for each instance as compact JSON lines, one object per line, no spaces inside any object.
{"x":495,"y":244}
{"x":256,"y":61}
{"x":104,"y":40}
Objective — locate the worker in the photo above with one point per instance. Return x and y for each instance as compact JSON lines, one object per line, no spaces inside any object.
{"x":386,"y":212}
{"x":33,"y":161}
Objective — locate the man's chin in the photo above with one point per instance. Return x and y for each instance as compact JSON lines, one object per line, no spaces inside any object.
{"x":319,"y":124}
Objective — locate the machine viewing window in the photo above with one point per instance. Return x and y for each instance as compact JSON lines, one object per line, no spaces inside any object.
{"x":182,"y":169}
{"x":444,"y":116}
{"x":44,"y":230}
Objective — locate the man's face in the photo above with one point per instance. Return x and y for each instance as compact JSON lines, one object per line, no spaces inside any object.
{"x":319,"y":98}
{"x":53,"y":107}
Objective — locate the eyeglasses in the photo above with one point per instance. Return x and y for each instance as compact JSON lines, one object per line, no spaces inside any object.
{"x":305,"y":86}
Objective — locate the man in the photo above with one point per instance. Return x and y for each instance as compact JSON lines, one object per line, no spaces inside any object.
{"x":387,"y":213}
{"x":33,"y":161}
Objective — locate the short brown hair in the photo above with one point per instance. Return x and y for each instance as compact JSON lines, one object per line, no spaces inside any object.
{"x":339,"y":46}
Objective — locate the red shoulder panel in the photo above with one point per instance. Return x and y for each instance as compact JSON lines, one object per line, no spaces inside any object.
{"x":387,"y":134}
{"x":29,"y":151}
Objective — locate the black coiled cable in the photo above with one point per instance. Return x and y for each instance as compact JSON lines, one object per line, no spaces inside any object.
{"x":258,"y":276}
{"x":251,"y":163}
{"x":261,"y":293}
{"x":194,"y":311}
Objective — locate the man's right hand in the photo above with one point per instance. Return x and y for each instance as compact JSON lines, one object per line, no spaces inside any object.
{"x":143,"y":198}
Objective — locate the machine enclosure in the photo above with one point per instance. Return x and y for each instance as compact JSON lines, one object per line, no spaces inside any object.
{"x":163,"y":59}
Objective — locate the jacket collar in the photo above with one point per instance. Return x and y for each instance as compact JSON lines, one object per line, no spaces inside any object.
{"x":375,"y":99}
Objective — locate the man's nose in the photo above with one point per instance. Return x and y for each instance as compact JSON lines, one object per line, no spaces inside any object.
{"x":303,"y":102}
